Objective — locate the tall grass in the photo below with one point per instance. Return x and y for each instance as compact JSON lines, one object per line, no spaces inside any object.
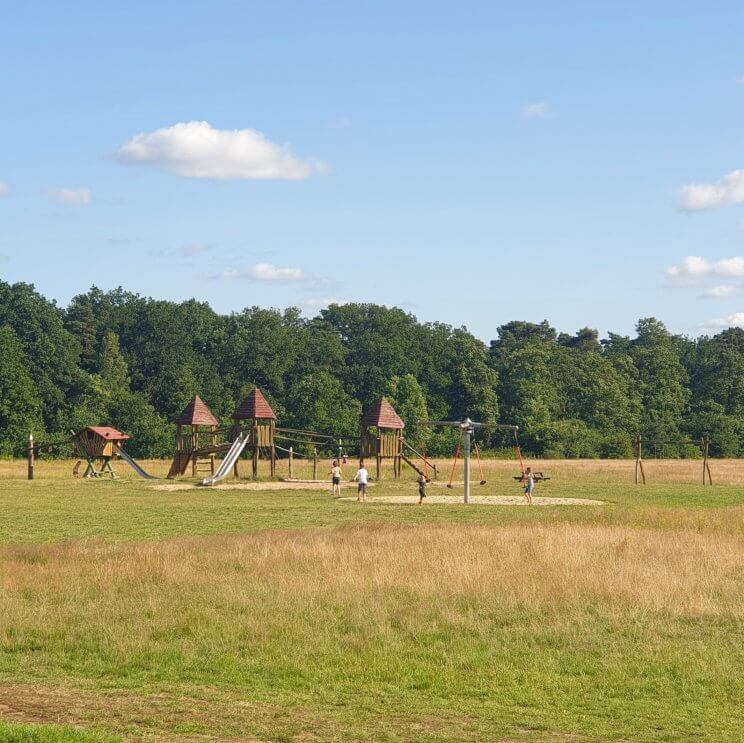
{"x":401,"y":623}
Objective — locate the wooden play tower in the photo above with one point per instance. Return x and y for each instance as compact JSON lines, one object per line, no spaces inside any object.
{"x":255,"y":416}
{"x":385,"y":440}
{"x":196,"y":440}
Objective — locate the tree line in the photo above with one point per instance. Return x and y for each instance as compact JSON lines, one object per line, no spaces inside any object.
{"x":134,"y":362}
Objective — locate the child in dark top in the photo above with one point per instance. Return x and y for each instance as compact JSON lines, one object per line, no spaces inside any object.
{"x":421,"y":489}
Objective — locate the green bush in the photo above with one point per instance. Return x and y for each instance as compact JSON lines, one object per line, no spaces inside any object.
{"x":616,"y":445}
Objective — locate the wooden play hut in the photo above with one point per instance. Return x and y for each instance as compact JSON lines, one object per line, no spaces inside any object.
{"x":98,"y":445}
{"x":385,"y":440}
{"x":255,"y":416}
{"x":196,"y":440}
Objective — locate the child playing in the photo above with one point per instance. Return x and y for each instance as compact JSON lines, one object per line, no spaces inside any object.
{"x":361,"y":477}
{"x":421,"y":488}
{"x":335,"y":478}
{"x":529,"y":480}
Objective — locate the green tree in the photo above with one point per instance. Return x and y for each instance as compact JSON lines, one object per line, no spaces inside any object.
{"x":662,"y":380}
{"x":318,"y":403}
{"x":20,"y":406}
{"x":53,"y":354}
{"x":112,"y":367}
{"x":407,"y":397}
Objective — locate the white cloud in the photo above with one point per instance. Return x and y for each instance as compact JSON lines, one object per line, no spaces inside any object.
{"x":4,"y":189}
{"x":699,"y":196}
{"x":270,"y":272}
{"x":694,"y":269}
{"x":718,"y":292}
{"x":195,"y":149}
{"x":78,"y":196}
{"x":731,"y":321}
{"x":537,"y":110}
{"x":261,"y":272}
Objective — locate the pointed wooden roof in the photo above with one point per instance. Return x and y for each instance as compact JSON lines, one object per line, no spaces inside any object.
{"x":254,"y":406}
{"x":382,"y":415}
{"x":196,"y":413}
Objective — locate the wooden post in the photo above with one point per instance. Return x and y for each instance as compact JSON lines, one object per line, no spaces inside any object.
{"x":706,"y":466}
{"x":272,"y":427}
{"x":637,"y":448}
{"x":379,"y":453}
{"x":315,"y":463}
{"x":639,"y":459}
{"x":291,"y":462}
{"x":30,"y":456}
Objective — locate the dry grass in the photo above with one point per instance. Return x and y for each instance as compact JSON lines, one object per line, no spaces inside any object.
{"x":310,"y":618}
{"x":682,"y":471}
{"x":267,"y":575}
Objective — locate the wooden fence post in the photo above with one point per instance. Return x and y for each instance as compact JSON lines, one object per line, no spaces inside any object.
{"x":706,"y":466}
{"x":30,"y":454}
{"x":291,"y":462}
{"x":315,"y":463}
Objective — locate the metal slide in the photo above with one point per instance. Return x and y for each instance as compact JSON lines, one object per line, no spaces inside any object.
{"x":230,"y":458}
{"x":133,"y":464}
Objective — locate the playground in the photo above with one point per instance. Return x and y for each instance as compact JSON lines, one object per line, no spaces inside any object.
{"x":225,"y":594}
{"x":268,"y":610}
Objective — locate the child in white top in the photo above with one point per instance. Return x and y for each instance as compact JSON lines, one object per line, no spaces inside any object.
{"x":529,"y":481}
{"x":362,"y":478}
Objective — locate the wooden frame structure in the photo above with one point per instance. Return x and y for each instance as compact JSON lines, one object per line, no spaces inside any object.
{"x":703,"y":444}
{"x":196,"y":440}
{"x":97,"y":444}
{"x":386,"y":441}
{"x":255,"y":416}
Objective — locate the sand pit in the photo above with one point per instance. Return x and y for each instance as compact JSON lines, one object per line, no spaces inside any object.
{"x":481,"y":500}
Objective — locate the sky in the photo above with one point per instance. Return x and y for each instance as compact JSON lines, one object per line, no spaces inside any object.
{"x":470,"y":162}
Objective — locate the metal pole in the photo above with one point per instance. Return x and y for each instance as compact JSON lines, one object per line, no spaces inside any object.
{"x":467,"y":432}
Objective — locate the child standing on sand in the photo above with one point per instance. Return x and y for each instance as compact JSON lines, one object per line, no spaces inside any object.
{"x":529,"y":481}
{"x":335,"y":478}
{"x":361,"y":477}
{"x":421,"y":489}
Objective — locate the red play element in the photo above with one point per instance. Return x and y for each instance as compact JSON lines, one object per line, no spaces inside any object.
{"x":254,"y":407}
{"x":382,"y":415}
{"x":196,"y":413}
{"x":107,"y":433}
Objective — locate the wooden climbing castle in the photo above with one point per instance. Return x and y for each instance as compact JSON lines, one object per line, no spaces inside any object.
{"x":255,"y":417}
{"x":381,"y":435}
{"x":196,"y":440}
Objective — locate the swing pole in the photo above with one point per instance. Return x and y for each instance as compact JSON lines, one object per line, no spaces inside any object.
{"x":466,"y":435}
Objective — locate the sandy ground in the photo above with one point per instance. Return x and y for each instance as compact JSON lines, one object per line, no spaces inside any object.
{"x":282,"y":485}
{"x":483,"y":500}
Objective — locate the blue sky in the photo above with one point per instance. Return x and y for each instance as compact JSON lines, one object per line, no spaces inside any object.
{"x":472,"y":162}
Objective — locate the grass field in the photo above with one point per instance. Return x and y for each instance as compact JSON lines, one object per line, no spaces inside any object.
{"x":128,"y":612}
